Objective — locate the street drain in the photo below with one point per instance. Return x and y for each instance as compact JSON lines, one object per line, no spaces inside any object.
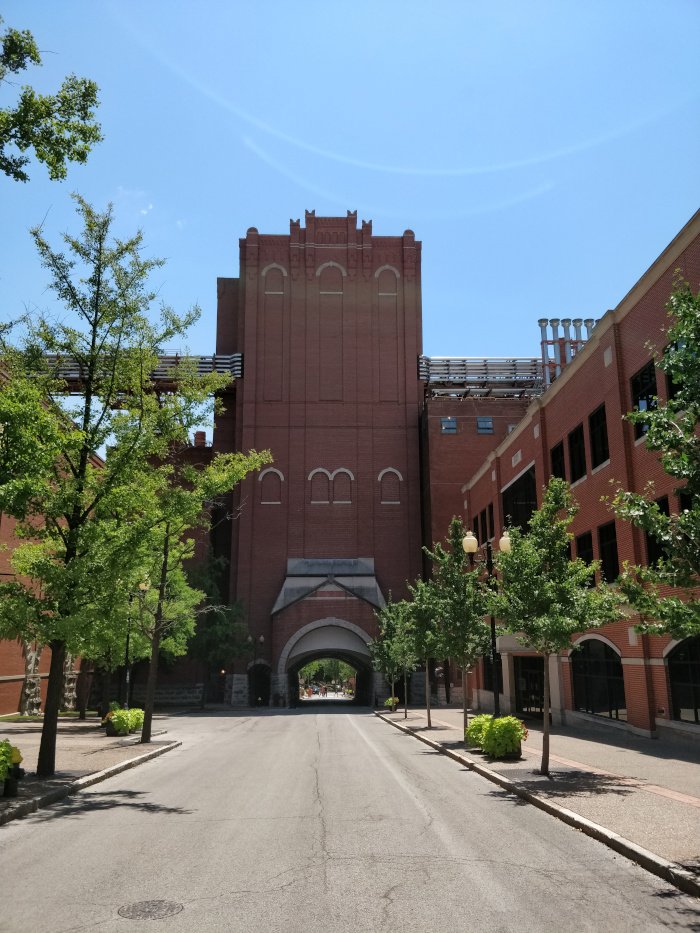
{"x":150,"y":910}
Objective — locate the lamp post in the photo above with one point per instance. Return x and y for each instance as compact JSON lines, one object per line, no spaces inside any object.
{"x":471,"y":545}
{"x":144,"y":586}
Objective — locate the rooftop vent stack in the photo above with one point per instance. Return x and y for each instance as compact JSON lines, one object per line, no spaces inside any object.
{"x":589,"y":324}
{"x":577,"y":322}
{"x":545,"y":349}
{"x":200,"y":439}
{"x":566,"y":324}
{"x":554,"y":322}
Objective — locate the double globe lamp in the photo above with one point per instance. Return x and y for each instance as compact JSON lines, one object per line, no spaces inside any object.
{"x":471,"y":546}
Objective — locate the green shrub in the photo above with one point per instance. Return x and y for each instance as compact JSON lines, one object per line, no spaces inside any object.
{"x":121,"y":720}
{"x":502,"y":735}
{"x":475,"y":730}
{"x":5,"y":758}
{"x":135,"y":718}
{"x":391,"y":701}
{"x":114,"y":706}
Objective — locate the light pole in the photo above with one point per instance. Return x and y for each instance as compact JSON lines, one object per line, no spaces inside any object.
{"x":471,"y":545}
{"x":144,"y":586}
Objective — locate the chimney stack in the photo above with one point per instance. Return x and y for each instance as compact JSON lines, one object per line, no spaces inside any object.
{"x":200,"y":438}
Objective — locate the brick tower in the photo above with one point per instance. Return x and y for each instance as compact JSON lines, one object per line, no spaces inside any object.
{"x":328,"y":321}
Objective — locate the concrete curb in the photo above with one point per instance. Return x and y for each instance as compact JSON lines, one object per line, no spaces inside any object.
{"x":679,"y":877}
{"x":35,"y":803}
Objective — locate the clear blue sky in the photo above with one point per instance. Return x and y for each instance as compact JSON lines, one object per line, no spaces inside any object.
{"x":544,"y":151}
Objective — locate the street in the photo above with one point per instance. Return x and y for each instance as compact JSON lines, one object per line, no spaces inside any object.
{"x":316,"y":819}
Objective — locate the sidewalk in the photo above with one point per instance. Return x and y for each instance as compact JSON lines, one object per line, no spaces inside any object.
{"x":647,"y":791}
{"x":82,"y":749}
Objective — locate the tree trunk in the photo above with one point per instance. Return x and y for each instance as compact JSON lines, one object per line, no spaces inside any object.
{"x":544,"y":769}
{"x":150,"y":689}
{"x":405,"y":693}
{"x":30,"y":699}
{"x":427,"y":692}
{"x":82,"y":690}
{"x":46,"y":764}
{"x":465,"y":712}
{"x":155,"y":643}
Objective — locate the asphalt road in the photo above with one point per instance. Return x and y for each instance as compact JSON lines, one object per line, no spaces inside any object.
{"x":323,"y":820}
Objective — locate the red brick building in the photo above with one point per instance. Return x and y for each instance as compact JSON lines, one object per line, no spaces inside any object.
{"x":328,"y":321}
{"x":575,"y":430}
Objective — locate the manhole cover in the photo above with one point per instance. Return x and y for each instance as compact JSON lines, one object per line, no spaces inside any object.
{"x":150,"y":910}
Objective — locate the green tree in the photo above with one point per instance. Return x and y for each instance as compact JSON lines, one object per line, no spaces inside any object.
{"x":671,"y":430}
{"x":545,"y":597}
{"x":460,"y":603}
{"x":426,"y":631}
{"x":59,"y":128}
{"x":397,"y":630}
{"x":382,"y":649}
{"x":73,"y":511}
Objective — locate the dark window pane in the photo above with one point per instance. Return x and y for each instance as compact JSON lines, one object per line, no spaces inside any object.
{"x":654,"y":546}
{"x":484,"y":425}
{"x":598,"y":682}
{"x":598,"y":428}
{"x":557,"y":458}
{"x":685,"y":501}
{"x":607,"y":548}
{"x":684,"y":677}
{"x":644,"y":393}
{"x":475,"y":527}
{"x":520,"y":499}
{"x":492,"y":527}
{"x":484,"y":535}
{"x":577,"y":454}
{"x":448,"y":425}
{"x":488,"y":673}
{"x":584,"y":550}
{"x":672,"y":388}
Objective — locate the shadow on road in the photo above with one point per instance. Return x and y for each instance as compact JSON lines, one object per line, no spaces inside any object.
{"x":89,"y":802}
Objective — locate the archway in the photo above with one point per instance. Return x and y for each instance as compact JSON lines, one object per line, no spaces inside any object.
{"x":684,"y":680}
{"x":328,"y":638}
{"x":259,"y":683}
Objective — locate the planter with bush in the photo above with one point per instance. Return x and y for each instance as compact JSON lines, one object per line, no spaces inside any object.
{"x":498,"y":738}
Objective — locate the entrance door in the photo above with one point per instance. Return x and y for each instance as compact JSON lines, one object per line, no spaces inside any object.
{"x":529,"y":685}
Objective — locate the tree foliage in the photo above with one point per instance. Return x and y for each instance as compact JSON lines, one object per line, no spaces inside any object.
{"x":395,"y":651}
{"x":672,"y":430}
{"x":79,"y":518}
{"x":59,"y":128}
{"x":460,"y":602}
{"x":544,"y":596}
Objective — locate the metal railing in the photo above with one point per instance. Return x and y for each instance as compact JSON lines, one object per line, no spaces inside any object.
{"x":162,"y":375}
{"x":499,"y":376}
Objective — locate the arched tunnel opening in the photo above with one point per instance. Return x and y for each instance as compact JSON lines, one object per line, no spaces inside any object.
{"x":337,"y":642}
{"x":346,"y":680}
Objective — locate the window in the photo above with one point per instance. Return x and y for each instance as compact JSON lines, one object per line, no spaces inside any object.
{"x":488,"y":672}
{"x":520,"y":499}
{"x":270,"y":482}
{"x":342,"y":487}
{"x":448,"y":425}
{"x":685,"y":501}
{"x":684,"y":677}
{"x":607,"y":548}
{"x":484,"y":536}
{"x":598,"y":434}
{"x":390,"y":487}
{"x":654,"y":547}
{"x":320,"y":487}
{"x":598,"y":682}
{"x":475,"y":526}
{"x":484,"y":425}
{"x":644,"y":393}
{"x":672,"y":388}
{"x":584,"y":551}
{"x":492,"y":527}
{"x":511,"y":427}
{"x":557,"y":461}
{"x":577,"y":454}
